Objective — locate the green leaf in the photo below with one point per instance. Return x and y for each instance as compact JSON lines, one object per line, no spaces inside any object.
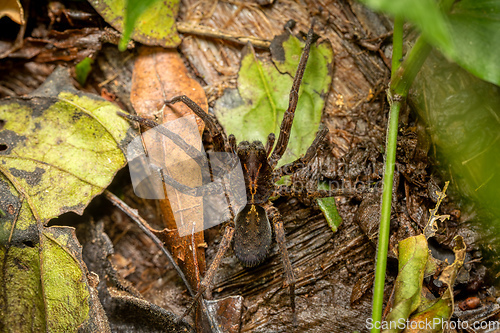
{"x":58,"y":149}
{"x":475,"y":26}
{"x":257,"y":107}
{"x":413,"y":255}
{"x":468,"y":34}
{"x":42,"y":273}
{"x":462,"y":114}
{"x":329,"y":209}
{"x":82,"y":70}
{"x":440,"y":311}
{"x":62,"y":147}
{"x":153,"y":20}
{"x":425,"y":14}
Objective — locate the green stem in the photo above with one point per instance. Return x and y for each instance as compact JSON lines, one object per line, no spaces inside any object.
{"x":385,"y":217}
{"x":405,"y":75}
{"x":392,"y":134}
{"x":402,"y":78}
{"x":397,"y":44}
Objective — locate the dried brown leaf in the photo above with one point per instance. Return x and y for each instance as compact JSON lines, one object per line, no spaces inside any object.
{"x":160,"y":74}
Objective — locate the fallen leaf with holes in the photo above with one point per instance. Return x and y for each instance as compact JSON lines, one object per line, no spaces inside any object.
{"x":154,"y":26}
{"x":412,"y":306}
{"x":43,"y":274}
{"x":160,"y":74}
{"x":439,"y":311}
{"x":59,"y":149}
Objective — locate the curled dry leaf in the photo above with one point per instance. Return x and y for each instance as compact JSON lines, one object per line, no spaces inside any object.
{"x":441,"y":310}
{"x":414,"y":310}
{"x":13,"y":10}
{"x":413,"y":255}
{"x":70,"y":45}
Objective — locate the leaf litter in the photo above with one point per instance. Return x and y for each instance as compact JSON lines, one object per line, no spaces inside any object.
{"x":412,"y":309}
{"x":45,"y":137}
{"x":331,"y":263}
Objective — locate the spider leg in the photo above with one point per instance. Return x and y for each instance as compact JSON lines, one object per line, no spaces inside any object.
{"x":207,"y":280}
{"x":191,"y":151}
{"x":275,"y":217}
{"x":213,"y":125}
{"x":231,"y":140}
{"x":290,"y":168}
{"x":286,"y":124}
{"x":270,"y":143}
{"x":198,"y":191}
{"x":289,"y":191}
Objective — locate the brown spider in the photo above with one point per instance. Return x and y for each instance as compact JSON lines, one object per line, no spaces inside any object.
{"x":251,"y":228}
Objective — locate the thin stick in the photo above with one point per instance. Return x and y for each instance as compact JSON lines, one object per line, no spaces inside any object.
{"x":200,"y":30}
{"x":132,"y":213}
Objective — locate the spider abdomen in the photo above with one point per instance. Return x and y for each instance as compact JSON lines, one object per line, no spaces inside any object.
{"x":252,"y":236}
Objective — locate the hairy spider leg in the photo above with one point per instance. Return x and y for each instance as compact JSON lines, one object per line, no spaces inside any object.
{"x":290,"y":168}
{"x":209,"y":276}
{"x":275,"y":216}
{"x":200,"y":159}
{"x":231,"y":144}
{"x":191,"y":151}
{"x":286,"y":124}
{"x":218,"y":135}
{"x":270,"y":143}
{"x":288,"y":191}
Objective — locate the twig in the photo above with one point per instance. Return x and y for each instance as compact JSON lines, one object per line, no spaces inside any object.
{"x":132,"y":213}
{"x":200,"y":30}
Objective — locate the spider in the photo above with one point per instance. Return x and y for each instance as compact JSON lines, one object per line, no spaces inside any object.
{"x":250,"y":231}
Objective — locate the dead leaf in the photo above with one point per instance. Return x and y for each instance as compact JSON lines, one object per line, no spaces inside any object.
{"x":439,"y":312}
{"x":127,"y":310}
{"x":69,"y":45}
{"x":159,"y":75}
{"x":13,"y":10}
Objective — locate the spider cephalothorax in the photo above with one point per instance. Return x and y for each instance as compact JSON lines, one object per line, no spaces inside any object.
{"x":251,"y":229}
{"x":256,"y":171}
{"x":253,"y":234}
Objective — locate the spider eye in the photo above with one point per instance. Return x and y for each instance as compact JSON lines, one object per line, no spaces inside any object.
{"x":243,"y":145}
{"x":257,"y":145}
